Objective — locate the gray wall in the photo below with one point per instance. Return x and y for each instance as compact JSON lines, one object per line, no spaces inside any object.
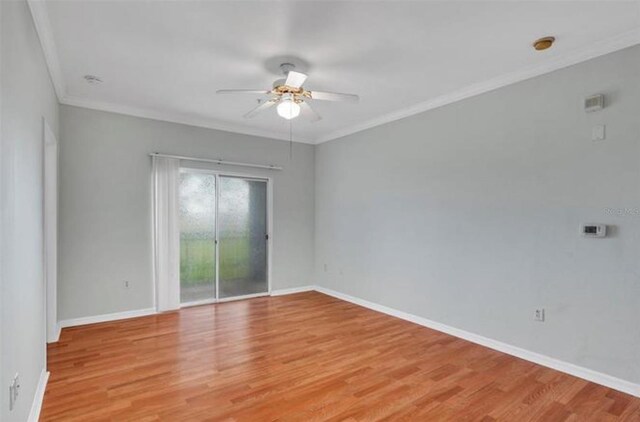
{"x":105,"y":205}
{"x":469,"y":214}
{"x":27,"y":96}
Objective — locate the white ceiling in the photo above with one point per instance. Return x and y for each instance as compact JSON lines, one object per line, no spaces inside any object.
{"x":166,"y":59}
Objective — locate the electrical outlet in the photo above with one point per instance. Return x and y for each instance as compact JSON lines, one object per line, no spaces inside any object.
{"x":539,"y":315}
{"x":325,"y":268}
{"x":126,"y":284}
{"x":14,"y":390}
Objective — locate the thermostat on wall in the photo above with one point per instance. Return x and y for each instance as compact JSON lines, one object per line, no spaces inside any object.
{"x":594,"y":103}
{"x":593,"y":230}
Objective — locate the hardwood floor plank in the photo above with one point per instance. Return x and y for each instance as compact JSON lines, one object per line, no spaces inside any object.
{"x":303,"y":357}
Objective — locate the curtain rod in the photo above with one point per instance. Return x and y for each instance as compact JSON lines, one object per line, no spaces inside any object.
{"x":207,"y":160}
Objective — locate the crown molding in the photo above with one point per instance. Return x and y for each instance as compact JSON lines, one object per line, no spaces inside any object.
{"x":40,"y":16}
{"x":43,"y":28}
{"x":148,"y":113}
{"x":601,"y":48}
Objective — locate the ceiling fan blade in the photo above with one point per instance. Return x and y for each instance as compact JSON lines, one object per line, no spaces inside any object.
{"x":243,"y":91}
{"x":309,"y":111}
{"x":334,"y":96}
{"x":295,"y":79}
{"x":260,"y":108}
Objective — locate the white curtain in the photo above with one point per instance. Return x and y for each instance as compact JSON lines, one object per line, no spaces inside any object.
{"x":166,"y":236}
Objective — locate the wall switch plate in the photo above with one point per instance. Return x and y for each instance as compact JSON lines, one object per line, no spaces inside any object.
{"x":126,"y":284}
{"x":598,"y":133}
{"x":539,"y":315}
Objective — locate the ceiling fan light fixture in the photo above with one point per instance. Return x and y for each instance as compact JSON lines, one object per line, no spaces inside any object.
{"x":288,"y":109}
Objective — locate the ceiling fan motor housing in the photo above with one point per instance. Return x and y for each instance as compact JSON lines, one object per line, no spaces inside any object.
{"x":286,"y":67}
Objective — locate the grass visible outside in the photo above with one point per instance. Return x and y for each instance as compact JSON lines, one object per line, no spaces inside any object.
{"x":197,"y":259}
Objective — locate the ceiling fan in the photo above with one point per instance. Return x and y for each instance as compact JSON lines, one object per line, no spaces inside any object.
{"x":290,"y":96}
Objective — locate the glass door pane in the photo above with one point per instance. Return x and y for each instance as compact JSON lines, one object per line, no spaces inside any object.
{"x":197,"y":236}
{"x":242,"y":228}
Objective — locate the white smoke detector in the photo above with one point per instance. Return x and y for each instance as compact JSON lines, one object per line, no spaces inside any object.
{"x":92,"y":79}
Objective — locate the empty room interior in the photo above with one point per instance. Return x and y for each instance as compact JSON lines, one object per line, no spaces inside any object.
{"x":319,"y":210}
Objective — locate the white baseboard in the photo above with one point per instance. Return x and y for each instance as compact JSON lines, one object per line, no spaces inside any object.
{"x":292,"y":290}
{"x":36,"y":406}
{"x":562,"y":366}
{"x":56,"y":335}
{"x":106,"y":317}
{"x":150,"y":311}
{"x":559,"y":365}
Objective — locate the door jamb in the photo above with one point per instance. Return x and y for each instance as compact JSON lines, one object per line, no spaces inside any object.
{"x":50,"y":227}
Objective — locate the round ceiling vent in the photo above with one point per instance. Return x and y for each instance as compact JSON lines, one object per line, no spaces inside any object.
{"x":543,"y":43}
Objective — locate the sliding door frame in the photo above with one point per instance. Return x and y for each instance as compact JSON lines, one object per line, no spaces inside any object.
{"x":247,"y":176}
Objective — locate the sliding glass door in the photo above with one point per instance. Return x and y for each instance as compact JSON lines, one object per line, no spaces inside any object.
{"x":242,"y":229}
{"x":197,"y":196}
{"x":223,"y":237}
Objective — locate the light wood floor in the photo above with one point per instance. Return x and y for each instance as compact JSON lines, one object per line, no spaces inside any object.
{"x":303,"y":357}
